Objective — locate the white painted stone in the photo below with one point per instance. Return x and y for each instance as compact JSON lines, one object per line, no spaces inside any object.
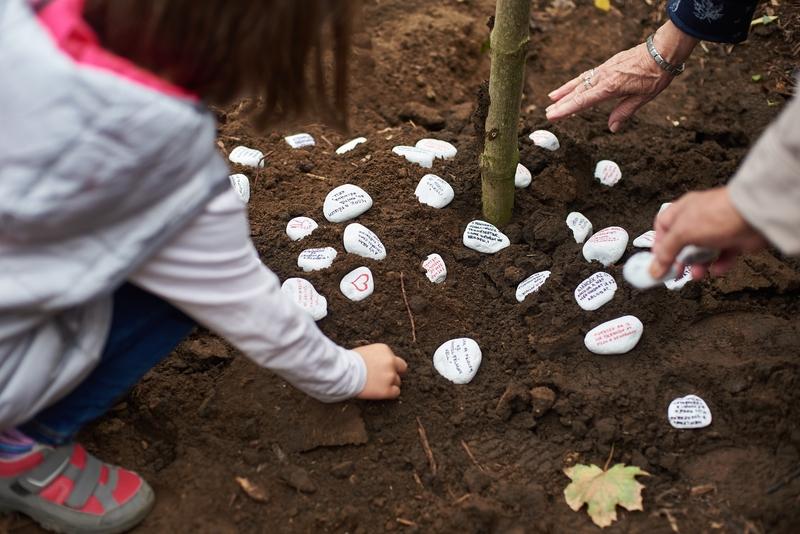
{"x":595,"y":291}
{"x":645,"y":240}
{"x":303,"y":293}
{"x":358,"y":284}
{"x":360,"y":240}
{"x":434,"y":191}
{"x":689,"y":412}
{"x":545,"y":139}
{"x":346,"y":202}
{"x":676,"y":284}
{"x":440,"y":149}
{"x":607,"y":172}
{"x":300,"y":227}
{"x":523,"y":177}
{"x":484,"y":237}
{"x":531,"y":284}
{"x":637,"y":271}
{"x":581,"y":226}
{"x":241,"y":184}
{"x":694,"y":255}
{"x":614,"y":337}
{"x":247,"y":156}
{"x":350,"y":145}
{"x":423,"y":158}
{"x":664,"y":206}
{"x":435,"y":269}
{"x":458,"y":360}
{"x":606,"y":246}
{"x":300,"y":140}
{"x":316,"y":259}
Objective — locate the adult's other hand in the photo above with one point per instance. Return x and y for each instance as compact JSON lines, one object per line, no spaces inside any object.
{"x":632,"y":77}
{"x":707,"y":219}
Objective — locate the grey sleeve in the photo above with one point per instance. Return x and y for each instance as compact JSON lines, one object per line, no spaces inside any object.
{"x":766,"y":188}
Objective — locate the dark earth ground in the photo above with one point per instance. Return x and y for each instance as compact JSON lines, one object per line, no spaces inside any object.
{"x":207,"y":415}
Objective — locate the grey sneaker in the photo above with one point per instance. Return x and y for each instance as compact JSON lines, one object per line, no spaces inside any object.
{"x":68,"y":490}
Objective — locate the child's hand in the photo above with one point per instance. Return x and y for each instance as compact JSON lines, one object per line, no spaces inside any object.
{"x":383,"y":372}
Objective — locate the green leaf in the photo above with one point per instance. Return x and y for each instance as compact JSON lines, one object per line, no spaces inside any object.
{"x":756,"y":77}
{"x":604,"y":490}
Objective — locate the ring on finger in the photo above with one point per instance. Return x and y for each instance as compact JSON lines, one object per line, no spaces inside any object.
{"x":587,"y":79}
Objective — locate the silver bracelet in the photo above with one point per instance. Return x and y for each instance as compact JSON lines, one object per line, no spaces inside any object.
{"x":660,"y":61}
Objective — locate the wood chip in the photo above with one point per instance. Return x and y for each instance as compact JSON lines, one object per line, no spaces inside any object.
{"x":257,"y":493}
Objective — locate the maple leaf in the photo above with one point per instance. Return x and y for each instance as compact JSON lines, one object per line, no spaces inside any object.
{"x":603,"y":490}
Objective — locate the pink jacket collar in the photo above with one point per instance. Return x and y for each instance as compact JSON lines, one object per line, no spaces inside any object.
{"x":64,"y":20}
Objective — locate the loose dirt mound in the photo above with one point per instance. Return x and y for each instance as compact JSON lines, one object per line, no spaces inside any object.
{"x":207,"y":415}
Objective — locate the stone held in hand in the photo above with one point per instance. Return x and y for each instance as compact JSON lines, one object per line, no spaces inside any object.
{"x":522,"y":177}
{"x":677,"y":283}
{"x":316,"y":259}
{"x":637,"y":271}
{"x":664,"y":206}
{"x":484,"y":237}
{"x":607,"y":172}
{"x":300,"y":227}
{"x":440,"y":149}
{"x":458,"y":360}
{"x":581,"y":226}
{"x":694,"y":255}
{"x":304,"y":294}
{"x":545,"y":139}
{"x":360,"y":240}
{"x":346,"y":202}
{"x":241,"y":184}
{"x":300,"y":140}
{"x":434,"y":191}
{"x":689,"y":412}
{"x":249,"y":157}
{"x":358,"y":284}
{"x":645,"y":240}
{"x":595,"y":291}
{"x":615,"y":337}
{"x":531,"y":284}
{"x":423,"y":158}
{"x":350,"y":145}
{"x":435,"y":268}
{"x":606,"y":246}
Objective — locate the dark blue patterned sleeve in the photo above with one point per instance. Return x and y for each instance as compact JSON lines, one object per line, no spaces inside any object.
{"x":721,"y":21}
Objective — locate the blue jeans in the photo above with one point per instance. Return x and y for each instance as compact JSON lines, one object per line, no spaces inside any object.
{"x":144,"y":330}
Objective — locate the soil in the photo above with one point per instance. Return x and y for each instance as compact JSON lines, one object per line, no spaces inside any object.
{"x":207,"y":415}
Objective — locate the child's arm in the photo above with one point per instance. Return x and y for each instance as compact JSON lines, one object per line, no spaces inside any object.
{"x":212,"y":272}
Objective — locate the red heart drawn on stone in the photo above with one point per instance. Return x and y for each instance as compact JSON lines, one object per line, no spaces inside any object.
{"x":364,"y":285}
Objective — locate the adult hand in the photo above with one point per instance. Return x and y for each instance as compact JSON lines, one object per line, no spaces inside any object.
{"x":632,"y":76}
{"x":383,"y":372}
{"x":707,"y":219}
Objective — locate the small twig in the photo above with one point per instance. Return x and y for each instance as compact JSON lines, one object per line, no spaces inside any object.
{"x":784,"y":481}
{"x":471,"y":456}
{"x":408,"y":308}
{"x":418,"y":480}
{"x":326,"y":140}
{"x":423,"y":437}
{"x":610,"y":456}
{"x":221,"y":146}
{"x":412,"y":124}
{"x":462,"y":498}
{"x":406,"y":522}
{"x":317,"y":176}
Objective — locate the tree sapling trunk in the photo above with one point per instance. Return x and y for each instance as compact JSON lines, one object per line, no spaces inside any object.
{"x":509,"y":42}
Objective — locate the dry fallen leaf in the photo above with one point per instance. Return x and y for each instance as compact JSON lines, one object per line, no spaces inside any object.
{"x":253,"y":491}
{"x":604,"y":5}
{"x":604,"y":490}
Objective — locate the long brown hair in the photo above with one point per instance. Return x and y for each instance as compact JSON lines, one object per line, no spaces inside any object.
{"x":224,"y":50}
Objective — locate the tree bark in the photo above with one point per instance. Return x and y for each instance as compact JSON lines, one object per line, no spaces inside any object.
{"x":509,"y":43}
